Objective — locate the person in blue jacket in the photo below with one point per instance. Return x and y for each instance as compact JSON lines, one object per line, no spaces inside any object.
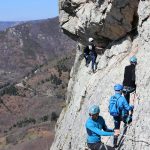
{"x":96,"y":127}
{"x":122,"y":107}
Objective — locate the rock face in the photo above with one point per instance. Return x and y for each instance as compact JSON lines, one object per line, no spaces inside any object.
{"x":105,"y":20}
{"x":86,"y":89}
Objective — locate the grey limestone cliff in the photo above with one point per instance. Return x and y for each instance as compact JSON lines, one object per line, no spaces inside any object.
{"x":109,"y":22}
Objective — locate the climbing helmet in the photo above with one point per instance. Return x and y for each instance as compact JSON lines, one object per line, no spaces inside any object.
{"x":133,"y":59}
{"x":118,"y":87}
{"x":91,"y":39}
{"x":94,"y":110}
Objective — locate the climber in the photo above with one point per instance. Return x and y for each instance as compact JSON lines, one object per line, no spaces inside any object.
{"x":94,"y":126}
{"x":119,"y":109}
{"x":86,"y":55}
{"x":93,"y":54}
{"x":90,"y":54}
{"x":129,"y":79}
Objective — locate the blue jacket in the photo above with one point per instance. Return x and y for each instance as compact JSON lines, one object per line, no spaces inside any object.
{"x":94,"y":130}
{"x":122,"y":104}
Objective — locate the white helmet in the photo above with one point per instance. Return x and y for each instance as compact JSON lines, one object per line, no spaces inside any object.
{"x":91,"y":39}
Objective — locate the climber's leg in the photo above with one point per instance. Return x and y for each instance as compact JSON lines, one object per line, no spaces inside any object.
{"x":117,"y":121}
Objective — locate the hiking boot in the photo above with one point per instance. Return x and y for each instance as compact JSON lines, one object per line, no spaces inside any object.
{"x":115,"y":146}
{"x":93,"y":70}
{"x":96,"y":65}
{"x":87,"y":65}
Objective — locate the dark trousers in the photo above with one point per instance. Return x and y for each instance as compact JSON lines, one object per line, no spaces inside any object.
{"x":93,"y":59}
{"x":127,"y":91}
{"x":99,"y":146}
{"x":118,"y":119}
{"x":117,"y":122}
{"x":127,"y":96}
{"x":87,"y":59}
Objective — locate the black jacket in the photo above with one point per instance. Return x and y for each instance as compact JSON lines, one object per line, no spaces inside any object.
{"x":87,"y":51}
{"x":129,"y":76}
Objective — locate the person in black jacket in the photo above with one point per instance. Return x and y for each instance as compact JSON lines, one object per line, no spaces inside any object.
{"x":129,"y":78}
{"x":90,"y":54}
{"x":93,"y":56}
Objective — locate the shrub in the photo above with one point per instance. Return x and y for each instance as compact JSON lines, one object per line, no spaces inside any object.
{"x":44,"y":118}
{"x":11,"y":90}
{"x":55,"y":80}
{"x":25,"y":122}
{"x":54,"y":116}
{"x":42,"y":81}
{"x":62,"y":66}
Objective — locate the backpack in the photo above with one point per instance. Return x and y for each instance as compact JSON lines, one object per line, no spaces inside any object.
{"x":113,"y":106}
{"x":86,"y":50}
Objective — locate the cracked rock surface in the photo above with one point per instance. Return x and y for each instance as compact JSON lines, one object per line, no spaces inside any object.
{"x":104,"y":20}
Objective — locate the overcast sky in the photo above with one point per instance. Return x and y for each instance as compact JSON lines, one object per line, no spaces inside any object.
{"x":22,"y":10}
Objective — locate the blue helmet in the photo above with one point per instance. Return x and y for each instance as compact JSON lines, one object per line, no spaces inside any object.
{"x":133,"y":59}
{"x":118,"y":87}
{"x":94,"y":110}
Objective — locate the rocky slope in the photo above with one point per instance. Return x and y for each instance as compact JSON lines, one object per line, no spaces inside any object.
{"x":32,"y":107}
{"x":29,"y":45}
{"x":128,"y":22}
{"x":35,"y":63}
